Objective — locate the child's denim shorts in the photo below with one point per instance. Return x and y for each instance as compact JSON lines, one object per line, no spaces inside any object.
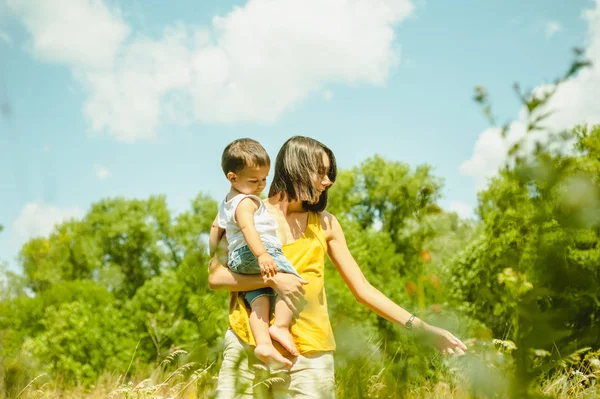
{"x":243,"y":261}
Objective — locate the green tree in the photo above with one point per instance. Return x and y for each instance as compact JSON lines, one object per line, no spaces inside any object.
{"x":127,"y":271}
{"x":80,"y":340}
{"x":119,"y":243}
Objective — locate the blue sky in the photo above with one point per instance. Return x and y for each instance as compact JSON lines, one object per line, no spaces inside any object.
{"x":397,"y":82}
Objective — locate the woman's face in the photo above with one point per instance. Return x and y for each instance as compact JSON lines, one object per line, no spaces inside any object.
{"x":321,"y":181}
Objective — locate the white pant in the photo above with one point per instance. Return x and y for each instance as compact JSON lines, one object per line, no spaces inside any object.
{"x":311,"y":376}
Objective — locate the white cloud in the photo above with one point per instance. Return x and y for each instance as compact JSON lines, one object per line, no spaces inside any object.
{"x":551,"y":28}
{"x":101,"y":172}
{"x":78,"y":33}
{"x":251,"y":64}
{"x":575,"y":102}
{"x":328,"y":95}
{"x":463,"y":210}
{"x":38,"y":219}
{"x":126,"y":101}
{"x":490,"y":153}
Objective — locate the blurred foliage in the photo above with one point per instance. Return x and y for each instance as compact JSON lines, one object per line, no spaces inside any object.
{"x":533,"y":275}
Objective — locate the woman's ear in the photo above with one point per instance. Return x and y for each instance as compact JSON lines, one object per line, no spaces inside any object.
{"x":232,"y":177}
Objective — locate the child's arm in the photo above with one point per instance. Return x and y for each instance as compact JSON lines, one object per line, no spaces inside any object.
{"x":244,"y":214}
{"x":214,"y":237}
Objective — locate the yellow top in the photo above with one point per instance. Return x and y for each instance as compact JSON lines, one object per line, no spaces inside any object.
{"x":311,"y":328}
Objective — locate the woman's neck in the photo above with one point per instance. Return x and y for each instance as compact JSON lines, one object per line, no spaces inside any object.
{"x":286,"y":206}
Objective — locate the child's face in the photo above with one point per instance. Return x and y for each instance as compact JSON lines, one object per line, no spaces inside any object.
{"x":250,"y":180}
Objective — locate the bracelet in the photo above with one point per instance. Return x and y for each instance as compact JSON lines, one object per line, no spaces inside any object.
{"x":409,"y":323}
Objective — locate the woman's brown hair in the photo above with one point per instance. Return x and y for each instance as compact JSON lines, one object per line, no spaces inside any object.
{"x":298,"y":163}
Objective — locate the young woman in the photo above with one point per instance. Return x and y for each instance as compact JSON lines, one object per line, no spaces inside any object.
{"x":304,"y":171}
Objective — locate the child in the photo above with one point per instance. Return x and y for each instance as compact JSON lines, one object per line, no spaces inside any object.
{"x":253,"y":245}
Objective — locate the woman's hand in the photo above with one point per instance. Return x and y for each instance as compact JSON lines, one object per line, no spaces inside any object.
{"x":290,"y":288}
{"x":447,"y":343}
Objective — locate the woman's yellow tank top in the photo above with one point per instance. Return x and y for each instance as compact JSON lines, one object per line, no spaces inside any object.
{"x":311,"y":329}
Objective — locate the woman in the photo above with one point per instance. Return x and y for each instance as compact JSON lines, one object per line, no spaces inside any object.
{"x":304,"y":171}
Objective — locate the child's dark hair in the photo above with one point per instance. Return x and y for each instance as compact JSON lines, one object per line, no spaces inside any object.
{"x":241,"y":153}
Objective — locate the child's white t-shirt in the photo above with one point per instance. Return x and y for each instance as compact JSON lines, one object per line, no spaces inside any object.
{"x":264,"y":223}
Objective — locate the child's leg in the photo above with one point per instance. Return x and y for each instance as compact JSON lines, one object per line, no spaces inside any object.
{"x":280,"y":330}
{"x":259,"y":324}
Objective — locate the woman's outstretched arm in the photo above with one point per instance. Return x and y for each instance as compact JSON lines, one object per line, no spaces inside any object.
{"x":370,"y":296}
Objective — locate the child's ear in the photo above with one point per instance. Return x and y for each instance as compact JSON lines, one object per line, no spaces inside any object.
{"x":232,"y":177}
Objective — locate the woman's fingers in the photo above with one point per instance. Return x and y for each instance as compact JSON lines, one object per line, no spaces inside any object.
{"x":448,"y":343}
{"x":291,"y":305}
{"x":459,"y":344}
{"x":455,"y":346}
{"x":459,"y":351}
{"x":291,"y":289}
{"x":301,"y":291}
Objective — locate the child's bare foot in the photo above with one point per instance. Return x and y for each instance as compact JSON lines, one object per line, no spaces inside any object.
{"x":283,"y":336}
{"x":271,"y":357}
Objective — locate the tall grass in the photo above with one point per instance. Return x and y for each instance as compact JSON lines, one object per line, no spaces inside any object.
{"x":484,"y":373}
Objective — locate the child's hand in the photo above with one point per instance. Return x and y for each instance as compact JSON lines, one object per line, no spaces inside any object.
{"x":267,"y":265}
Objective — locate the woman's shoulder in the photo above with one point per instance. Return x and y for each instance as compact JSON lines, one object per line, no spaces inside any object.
{"x":329,"y":223}
{"x":325,"y":216}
